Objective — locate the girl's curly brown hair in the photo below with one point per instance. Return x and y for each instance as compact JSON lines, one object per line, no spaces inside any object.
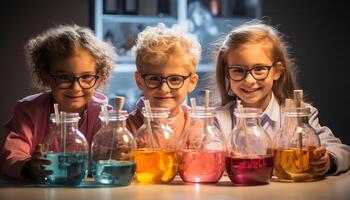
{"x":59,"y":43}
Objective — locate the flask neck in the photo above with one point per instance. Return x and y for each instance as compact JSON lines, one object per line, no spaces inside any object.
{"x":299,"y":119}
{"x":207,"y":120}
{"x":120,"y":123}
{"x":67,"y":127}
{"x":248,"y":121}
{"x":156,"y":121}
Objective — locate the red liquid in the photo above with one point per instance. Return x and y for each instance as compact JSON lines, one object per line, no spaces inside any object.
{"x":249,"y":171}
{"x":201,"y":166}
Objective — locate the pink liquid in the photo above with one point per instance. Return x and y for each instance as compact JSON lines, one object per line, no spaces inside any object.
{"x":249,"y":171}
{"x":201,"y":166}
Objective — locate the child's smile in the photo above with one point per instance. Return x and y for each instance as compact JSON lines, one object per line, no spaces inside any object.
{"x":74,"y":98}
{"x":163,"y":95}
{"x":252,"y":92}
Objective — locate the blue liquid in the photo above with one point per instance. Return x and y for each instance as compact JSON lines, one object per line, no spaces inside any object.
{"x":68,"y":168}
{"x":113,"y":172}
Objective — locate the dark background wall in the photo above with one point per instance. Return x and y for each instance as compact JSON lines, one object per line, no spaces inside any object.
{"x":19,"y":21}
{"x":316,"y":31}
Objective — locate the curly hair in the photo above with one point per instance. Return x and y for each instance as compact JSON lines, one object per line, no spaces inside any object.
{"x":59,"y":43}
{"x":154,"y":45}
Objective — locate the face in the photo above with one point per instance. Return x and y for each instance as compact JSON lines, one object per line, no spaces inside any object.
{"x":164,"y":96}
{"x":252,"y":92}
{"x":74,"y":98}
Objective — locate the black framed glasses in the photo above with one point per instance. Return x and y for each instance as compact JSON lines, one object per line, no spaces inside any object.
{"x":174,"y":82}
{"x":238,"y":73}
{"x":65,"y":81}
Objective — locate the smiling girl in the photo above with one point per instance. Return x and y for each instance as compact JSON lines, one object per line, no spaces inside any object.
{"x":68,"y":63}
{"x":253,"y":65}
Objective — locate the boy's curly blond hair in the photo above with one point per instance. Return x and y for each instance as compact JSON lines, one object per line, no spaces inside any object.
{"x":60,"y":43}
{"x":155,"y":45}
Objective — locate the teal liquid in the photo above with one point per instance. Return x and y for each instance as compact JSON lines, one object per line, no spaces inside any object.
{"x":113,"y":172}
{"x":67,"y":168}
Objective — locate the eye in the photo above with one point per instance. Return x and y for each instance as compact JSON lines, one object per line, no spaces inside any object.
{"x":175,"y":79}
{"x":260,"y":69}
{"x":238,"y":70}
{"x":64,"y":77}
{"x":87,"y":77}
{"x":153,"y":78}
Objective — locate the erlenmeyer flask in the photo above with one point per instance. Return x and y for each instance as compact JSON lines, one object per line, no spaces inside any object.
{"x":249,"y":162}
{"x":202,"y":149}
{"x":294,"y":145}
{"x":156,"y":157}
{"x":112,"y":150}
{"x":67,"y":149}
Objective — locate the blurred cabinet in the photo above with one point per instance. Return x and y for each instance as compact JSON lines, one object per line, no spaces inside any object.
{"x":119,"y":22}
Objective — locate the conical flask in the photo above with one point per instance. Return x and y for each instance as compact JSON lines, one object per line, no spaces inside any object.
{"x":202,"y":149}
{"x":249,"y":162}
{"x":156,"y":157}
{"x":112,"y":150}
{"x":67,"y":149}
{"x":294,"y":144}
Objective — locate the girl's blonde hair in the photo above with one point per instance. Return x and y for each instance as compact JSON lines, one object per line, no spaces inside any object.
{"x":254,"y":32}
{"x":154,"y":45}
{"x":60,"y":43}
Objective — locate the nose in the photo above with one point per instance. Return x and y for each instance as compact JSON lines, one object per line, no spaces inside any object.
{"x":249,"y":78}
{"x":75,"y":85}
{"x":164,"y":86}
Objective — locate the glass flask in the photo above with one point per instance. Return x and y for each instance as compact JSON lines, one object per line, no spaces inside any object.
{"x":112,"y":150}
{"x":293,"y":146}
{"x":202,"y":149}
{"x":67,"y":149}
{"x":249,"y":161}
{"x":156,"y":157}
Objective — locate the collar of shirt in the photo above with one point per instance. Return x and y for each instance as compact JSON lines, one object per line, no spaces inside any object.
{"x":271,"y":118}
{"x":272,"y":112}
{"x":140,"y":103}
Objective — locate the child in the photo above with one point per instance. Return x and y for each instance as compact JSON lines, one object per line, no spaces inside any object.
{"x":71,"y":62}
{"x":166,"y":62}
{"x":253,"y":65}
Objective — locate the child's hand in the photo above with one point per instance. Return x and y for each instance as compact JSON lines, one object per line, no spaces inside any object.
{"x":33,"y":169}
{"x":320,"y":161}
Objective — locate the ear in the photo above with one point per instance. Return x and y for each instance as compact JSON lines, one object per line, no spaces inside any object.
{"x":45,"y":77}
{"x":97,"y":84}
{"x":277,"y":71}
{"x":193,"y":82}
{"x":139,"y":80}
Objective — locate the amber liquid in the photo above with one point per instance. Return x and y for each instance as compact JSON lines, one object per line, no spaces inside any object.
{"x":293,"y":165}
{"x":155,"y":166}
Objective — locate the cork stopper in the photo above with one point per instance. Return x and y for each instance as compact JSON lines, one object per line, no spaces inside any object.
{"x":119,"y":102}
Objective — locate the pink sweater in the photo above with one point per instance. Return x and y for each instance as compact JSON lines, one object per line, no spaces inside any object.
{"x":30,"y":124}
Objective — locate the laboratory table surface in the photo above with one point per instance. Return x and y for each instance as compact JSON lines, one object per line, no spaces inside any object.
{"x":331,"y":187}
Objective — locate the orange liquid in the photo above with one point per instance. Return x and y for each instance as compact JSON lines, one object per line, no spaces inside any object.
{"x":155,"y":166}
{"x":293,"y":165}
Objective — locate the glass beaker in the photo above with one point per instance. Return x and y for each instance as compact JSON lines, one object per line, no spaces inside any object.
{"x":67,"y":149}
{"x":294,"y":145}
{"x":249,"y":162}
{"x":202,"y":149}
{"x":112,"y":150}
{"x":156,"y":157}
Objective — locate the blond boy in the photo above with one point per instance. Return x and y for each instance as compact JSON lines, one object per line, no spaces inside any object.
{"x":166,"y":60}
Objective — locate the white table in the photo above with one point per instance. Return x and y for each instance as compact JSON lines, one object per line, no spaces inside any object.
{"x":332,"y":187}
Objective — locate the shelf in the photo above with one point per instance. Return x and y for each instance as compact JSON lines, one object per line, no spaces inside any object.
{"x":138,"y":19}
{"x":131,"y":68}
{"x":124,"y":68}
